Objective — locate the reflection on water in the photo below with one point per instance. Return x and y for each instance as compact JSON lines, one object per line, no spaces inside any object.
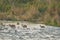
{"x":48,"y":33}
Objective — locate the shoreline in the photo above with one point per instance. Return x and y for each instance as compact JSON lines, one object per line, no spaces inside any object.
{"x":5,"y":21}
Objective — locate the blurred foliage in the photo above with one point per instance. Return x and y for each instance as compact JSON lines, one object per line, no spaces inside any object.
{"x":46,"y":11}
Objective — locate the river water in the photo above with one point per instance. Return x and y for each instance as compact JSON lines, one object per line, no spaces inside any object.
{"x":48,"y":33}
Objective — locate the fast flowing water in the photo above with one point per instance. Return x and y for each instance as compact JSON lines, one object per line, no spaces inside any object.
{"x":48,"y":33}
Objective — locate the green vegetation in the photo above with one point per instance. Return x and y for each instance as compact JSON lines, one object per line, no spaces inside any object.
{"x":37,"y":11}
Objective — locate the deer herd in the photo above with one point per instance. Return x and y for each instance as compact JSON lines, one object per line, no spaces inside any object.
{"x":23,"y":25}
